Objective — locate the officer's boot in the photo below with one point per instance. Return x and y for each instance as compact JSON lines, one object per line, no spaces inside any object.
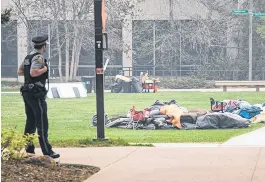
{"x":54,"y":155}
{"x":30,"y":149}
{"x":46,"y":147}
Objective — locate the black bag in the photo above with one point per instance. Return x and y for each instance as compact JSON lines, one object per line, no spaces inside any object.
{"x":188,"y":118}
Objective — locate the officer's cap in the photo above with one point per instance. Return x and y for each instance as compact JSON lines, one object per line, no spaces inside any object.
{"x":40,"y":40}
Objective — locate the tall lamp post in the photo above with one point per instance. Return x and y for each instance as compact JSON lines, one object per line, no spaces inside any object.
{"x":99,"y":47}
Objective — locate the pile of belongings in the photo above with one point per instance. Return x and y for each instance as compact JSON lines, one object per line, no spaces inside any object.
{"x":169,"y":115}
{"x":242,"y":108}
{"x":147,"y":83}
{"x":124,"y":84}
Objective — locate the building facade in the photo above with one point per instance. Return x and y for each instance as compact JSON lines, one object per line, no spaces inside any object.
{"x":149,"y":10}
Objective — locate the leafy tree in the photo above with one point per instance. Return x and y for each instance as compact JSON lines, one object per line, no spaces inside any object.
{"x":5,"y":15}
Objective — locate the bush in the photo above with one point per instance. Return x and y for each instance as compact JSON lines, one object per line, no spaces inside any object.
{"x":175,"y":83}
{"x":185,"y":83}
{"x":13,"y":142}
{"x":191,"y":82}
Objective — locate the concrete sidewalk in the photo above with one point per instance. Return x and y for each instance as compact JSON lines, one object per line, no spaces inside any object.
{"x":165,"y":164}
{"x":235,"y":160}
{"x":254,"y":138}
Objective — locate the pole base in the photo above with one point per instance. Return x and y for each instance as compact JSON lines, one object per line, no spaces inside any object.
{"x":100,"y":140}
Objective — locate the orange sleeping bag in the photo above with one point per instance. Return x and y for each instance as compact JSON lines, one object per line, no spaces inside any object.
{"x":172,"y":111}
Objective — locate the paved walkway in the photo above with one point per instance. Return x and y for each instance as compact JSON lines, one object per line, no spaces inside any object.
{"x":240,"y":159}
{"x":255,"y":138}
{"x":166,"y":164}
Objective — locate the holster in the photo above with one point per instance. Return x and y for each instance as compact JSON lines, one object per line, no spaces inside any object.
{"x":36,"y":90}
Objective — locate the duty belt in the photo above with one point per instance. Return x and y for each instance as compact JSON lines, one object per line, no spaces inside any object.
{"x":30,"y":86}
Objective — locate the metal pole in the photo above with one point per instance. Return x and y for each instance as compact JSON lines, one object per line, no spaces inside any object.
{"x":250,"y":38}
{"x":154,"y":48}
{"x":171,"y":10}
{"x":49,"y":53}
{"x":180,"y":52}
{"x":99,"y":69}
{"x":238,"y":43}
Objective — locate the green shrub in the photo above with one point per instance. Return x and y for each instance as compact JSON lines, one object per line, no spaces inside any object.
{"x":175,"y":83}
{"x":184,"y":83}
{"x":190,"y":82}
{"x":12,"y":143}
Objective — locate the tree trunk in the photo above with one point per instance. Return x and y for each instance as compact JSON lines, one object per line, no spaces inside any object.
{"x":59,"y":52}
{"x":77,"y":57}
{"x":67,"y":46}
{"x":73,"y":53}
{"x":67,"y":41}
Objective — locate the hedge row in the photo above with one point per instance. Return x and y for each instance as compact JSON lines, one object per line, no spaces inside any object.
{"x":176,"y":83}
{"x":185,"y":83}
{"x":165,"y":83}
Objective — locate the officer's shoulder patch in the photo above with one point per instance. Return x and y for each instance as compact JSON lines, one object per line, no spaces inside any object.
{"x":26,"y":62}
{"x":39,"y":59}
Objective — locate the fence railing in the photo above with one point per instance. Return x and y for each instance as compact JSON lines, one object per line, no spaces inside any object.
{"x":10,"y":71}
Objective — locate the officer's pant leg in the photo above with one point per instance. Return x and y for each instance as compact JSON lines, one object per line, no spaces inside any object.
{"x":42,"y":127}
{"x":30,"y":127}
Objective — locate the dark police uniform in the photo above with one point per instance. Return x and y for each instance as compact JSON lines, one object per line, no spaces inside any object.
{"x":34,"y":95}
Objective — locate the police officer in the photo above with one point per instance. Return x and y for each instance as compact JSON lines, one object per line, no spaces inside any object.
{"x":34,"y":68}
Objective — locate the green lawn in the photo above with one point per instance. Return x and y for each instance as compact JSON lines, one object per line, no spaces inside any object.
{"x":6,"y":89}
{"x":10,"y":86}
{"x":70,"y":118}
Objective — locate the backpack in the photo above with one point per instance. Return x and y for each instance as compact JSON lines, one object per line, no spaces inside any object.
{"x":139,"y":115}
{"x":249,"y":112}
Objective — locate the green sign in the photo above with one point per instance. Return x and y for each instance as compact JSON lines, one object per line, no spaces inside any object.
{"x":240,"y":12}
{"x":258,"y":14}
